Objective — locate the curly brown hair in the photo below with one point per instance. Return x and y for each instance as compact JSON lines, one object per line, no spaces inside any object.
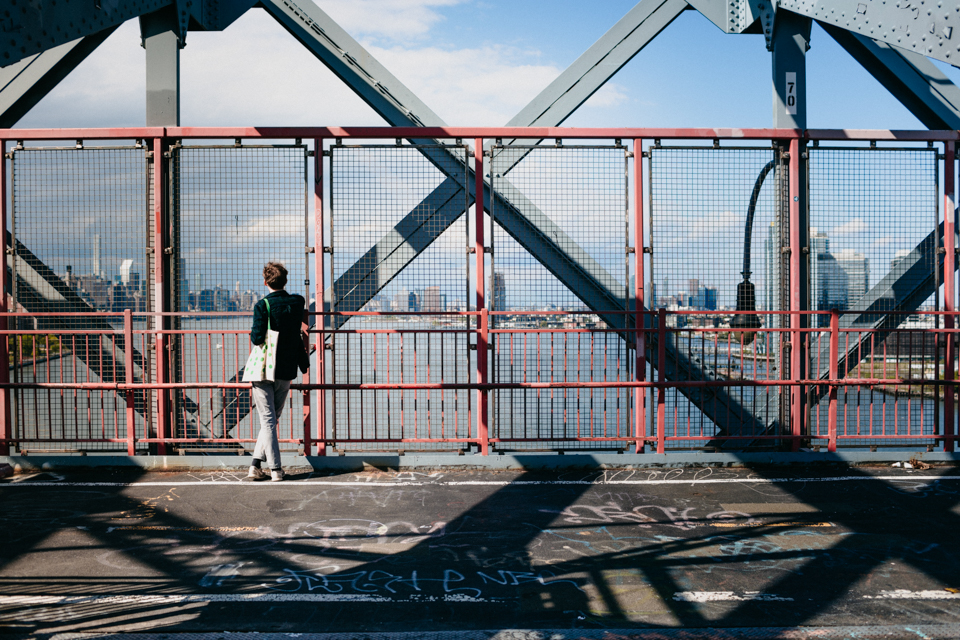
{"x":275,"y":275}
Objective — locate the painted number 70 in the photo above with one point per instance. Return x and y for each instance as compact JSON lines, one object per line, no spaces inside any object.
{"x":790,"y":95}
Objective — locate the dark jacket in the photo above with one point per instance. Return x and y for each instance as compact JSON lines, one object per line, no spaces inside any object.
{"x":286,"y":315}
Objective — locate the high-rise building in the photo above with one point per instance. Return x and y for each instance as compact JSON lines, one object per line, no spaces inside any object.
{"x":413,"y":302}
{"x":693,"y":286}
{"x":499,"y":291}
{"x":96,"y":255}
{"x":771,"y":275}
{"x":125,"y":267}
{"x":856,"y":266}
{"x":828,"y":280}
{"x":430,"y":302}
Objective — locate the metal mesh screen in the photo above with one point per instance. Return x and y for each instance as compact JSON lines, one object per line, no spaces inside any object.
{"x":399,"y":236}
{"x":79,"y":231}
{"x":874,"y":219}
{"x":718,"y":223}
{"x":233,"y":209}
{"x":581,"y":193}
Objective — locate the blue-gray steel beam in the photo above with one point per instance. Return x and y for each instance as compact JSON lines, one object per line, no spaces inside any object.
{"x":517,"y":215}
{"x":24,"y":84}
{"x":34,"y":27}
{"x":915,"y":25}
{"x":912,"y":79}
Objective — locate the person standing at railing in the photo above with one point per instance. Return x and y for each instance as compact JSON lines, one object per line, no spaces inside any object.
{"x":283,"y":313}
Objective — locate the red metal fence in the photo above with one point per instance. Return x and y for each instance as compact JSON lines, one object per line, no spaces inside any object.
{"x":545,"y":320}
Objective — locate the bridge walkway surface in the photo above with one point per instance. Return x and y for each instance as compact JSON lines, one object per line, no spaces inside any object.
{"x":865,"y":552}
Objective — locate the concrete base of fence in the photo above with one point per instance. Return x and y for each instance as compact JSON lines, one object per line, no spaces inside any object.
{"x":532,"y":461}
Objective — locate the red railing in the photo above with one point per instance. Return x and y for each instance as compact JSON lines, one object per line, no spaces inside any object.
{"x":187,"y":391}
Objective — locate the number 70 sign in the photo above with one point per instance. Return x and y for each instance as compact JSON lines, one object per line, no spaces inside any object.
{"x":790,"y":95}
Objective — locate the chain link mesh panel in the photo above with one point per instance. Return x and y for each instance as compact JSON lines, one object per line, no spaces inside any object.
{"x":718,"y":223}
{"x":583,"y":193}
{"x":399,"y":250}
{"x":874,"y":238}
{"x":233,"y":209}
{"x":79,"y":235}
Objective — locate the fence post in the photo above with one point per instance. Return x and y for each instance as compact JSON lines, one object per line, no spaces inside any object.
{"x":661,"y":378}
{"x":6,"y":425}
{"x":834,"y":375}
{"x":949,"y":299}
{"x":796,"y":335}
{"x":482,"y":394}
{"x":159,"y":291}
{"x":319,"y":301}
{"x":128,"y":380}
{"x":640,"y":366}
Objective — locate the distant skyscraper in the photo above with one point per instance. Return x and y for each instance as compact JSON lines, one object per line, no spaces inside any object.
{"x":693,"y":286}
{"x":499,"y":291}
{"x":125,"y":267}
{"x":431,"y":299}
{"x":771,"y":273}
{"x":856,"y":266}
{"x":828,"y":280}
{"x":96,"y":255}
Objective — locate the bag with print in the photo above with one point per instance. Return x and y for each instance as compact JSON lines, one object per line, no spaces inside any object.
{"x":262,"y":362}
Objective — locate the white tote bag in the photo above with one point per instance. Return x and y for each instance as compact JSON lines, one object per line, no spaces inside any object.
{"x":263,"y":357}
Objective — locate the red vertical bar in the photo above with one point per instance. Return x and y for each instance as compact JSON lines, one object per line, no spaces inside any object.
{"x":834,"y":356}
{"x":482,"y":394}
{"x":796,"y":352}
{"x":661,"y":377}
{"x":320,"y":321}
{"x":307,"y":426}
{"x":640,"y":366}
{"x":159,"y":297}
{"x":6,"y":425}
{"x":949,"y":295}
{"x":128,"y":379}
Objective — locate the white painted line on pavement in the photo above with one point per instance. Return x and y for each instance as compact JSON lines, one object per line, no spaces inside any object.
{"x":906,"y":594}
{"x":480,"y":483}
{"x":727,"y":596}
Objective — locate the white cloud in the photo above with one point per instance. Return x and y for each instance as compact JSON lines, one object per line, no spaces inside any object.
{"x":882,"y":242}
{"x":277,"y":225}
{"x":394,"y":19}
{"x":854,"y":226}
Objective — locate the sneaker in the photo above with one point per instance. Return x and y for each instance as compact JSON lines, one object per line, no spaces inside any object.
{"x":256,"y":473}
{"x":277,"y":475}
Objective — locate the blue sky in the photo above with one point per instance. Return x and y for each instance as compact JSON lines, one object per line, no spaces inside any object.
{"x":475,"y":62}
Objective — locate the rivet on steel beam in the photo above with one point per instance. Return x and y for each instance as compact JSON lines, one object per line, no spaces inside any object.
{"x":499,"y":142}
{"x":309,"y":249}
{"x":399,"y":141}
{"x":656,"y":143}
{"x":873,"y":144}
{"x":338,"y":141}
{"x":458,"y":142}
{"x":138,"y":143}
{"x":237,"y":142}
{"x":629,"y":154}
{"x":559,"y":142}
{"x":716,"y":143}
{"x":326,"y":153}
{"x":328,"y":250}
{"x":617,"y":142}
{"x":168,"y":251}
{"x":298,"y":141}
{"x":648,"y":250}
{"x":631,"y":250}
{"x":488,"y":250}
{"x":471,"y":249}
{"x":79,"y":144}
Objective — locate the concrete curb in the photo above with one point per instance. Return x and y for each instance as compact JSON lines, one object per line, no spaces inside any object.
{"x":530,"y":462}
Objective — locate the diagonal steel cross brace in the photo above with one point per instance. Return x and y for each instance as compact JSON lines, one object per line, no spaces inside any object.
{"x":518,"y":216}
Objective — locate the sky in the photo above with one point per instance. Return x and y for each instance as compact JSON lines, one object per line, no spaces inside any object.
{"x":474,"y":62}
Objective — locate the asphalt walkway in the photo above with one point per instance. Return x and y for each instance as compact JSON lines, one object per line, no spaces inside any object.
{"x":580,"y":554}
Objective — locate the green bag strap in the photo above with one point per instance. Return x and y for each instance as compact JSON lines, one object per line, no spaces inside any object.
{"x":267,"y":302}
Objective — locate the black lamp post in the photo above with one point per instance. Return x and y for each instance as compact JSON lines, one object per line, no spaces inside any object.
{"x":746,"y":295}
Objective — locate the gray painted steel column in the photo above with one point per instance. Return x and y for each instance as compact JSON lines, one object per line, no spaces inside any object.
{"x":160,"y":39}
